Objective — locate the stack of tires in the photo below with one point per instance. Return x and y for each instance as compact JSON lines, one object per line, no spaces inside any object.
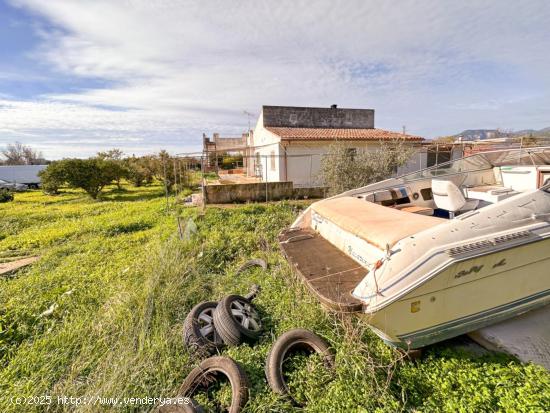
{"x":210,"y":325}
{"x":234,"y":320}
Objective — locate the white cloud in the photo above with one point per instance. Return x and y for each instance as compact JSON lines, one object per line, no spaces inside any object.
{"x":176,"y":69}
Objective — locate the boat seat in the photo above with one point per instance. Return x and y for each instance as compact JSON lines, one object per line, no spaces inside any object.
{"x":489,"y":193}
{"x":378,"y":225}
{"x":449,"y":197}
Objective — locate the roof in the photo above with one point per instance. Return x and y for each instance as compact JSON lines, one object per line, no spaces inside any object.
{"x":326,"y":134}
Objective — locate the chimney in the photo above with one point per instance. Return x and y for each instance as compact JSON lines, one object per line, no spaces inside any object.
{"x":333,"y":106}
{"x":215,"y":137}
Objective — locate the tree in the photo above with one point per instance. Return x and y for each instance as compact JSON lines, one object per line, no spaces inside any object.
{"x":343,"y":168}
{"x":91,"y":175}
{"x":118,"y":167}
{"x":164,"y":169}
{"x":19,"y":154}
{"x":53,"y":177}
{"x":139,"y":170}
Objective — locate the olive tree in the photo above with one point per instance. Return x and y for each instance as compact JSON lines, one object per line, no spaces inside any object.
{"x":344,"y":168}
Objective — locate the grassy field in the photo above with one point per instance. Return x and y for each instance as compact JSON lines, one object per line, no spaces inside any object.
{"x":119,"y":282}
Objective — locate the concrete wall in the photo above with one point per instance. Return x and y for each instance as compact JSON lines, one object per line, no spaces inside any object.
{"x":256,"y":192}
{"x":304,"y":117}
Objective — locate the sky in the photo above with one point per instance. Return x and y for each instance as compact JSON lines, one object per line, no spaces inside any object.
{"x":78,"y":77}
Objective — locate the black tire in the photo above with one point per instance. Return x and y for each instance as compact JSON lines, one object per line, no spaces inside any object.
{"x":199,"y":332}
{"x":256,"y":262}
{"x":206,"y":372}
{"x":293,"y":340}
{"x":192,"y":407}
{"x":237,"y":320}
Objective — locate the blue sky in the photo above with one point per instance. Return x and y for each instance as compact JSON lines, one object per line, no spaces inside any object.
{"x":77,"y":77}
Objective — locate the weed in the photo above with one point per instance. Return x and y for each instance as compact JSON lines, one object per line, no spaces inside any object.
{"x":122,"y":283}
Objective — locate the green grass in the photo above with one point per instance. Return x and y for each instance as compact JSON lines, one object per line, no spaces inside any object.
{"x":123,"y":282}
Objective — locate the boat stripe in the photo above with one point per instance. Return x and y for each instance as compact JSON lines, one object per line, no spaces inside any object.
{"x":494,"y":310}
{"x":452,"y":261}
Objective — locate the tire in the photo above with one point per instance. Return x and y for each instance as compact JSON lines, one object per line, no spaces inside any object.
{"x":237,"y":320}
{"x":206,"y":372}
{"x":199,"y":332}
{"x":256,"y":262}
{"x":297,"y":339}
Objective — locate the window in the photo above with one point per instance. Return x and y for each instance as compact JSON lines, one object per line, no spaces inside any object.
{"x":273,"y":165}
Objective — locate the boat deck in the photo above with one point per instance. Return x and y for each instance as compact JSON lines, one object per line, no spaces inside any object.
{"x":328,"y":273}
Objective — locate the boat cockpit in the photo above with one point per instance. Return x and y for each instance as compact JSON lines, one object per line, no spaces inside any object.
{"x":462,"y":185}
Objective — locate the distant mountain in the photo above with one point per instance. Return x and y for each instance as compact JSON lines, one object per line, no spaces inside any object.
{"x":480,"y":134}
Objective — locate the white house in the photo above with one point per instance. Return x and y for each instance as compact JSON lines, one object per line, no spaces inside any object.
{"x":288,"y":143}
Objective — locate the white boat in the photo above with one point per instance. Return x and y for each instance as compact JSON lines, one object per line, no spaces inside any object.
{"x":433,"y":254}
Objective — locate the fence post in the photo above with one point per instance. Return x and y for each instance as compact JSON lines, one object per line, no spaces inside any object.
{"x":265,"y":161}
{"x":165,"y":184}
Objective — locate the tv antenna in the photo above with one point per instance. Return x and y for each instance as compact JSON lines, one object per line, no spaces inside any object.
{"x":248,"y":115}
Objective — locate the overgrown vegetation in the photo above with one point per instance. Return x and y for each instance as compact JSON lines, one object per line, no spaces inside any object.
{"x":5,"y":195}
{"x":344,"y":167}
{"x":93,"y":174}
{"x":123,"y":282}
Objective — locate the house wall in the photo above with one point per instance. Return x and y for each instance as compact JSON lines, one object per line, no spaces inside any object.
{"x":304,"y":161}
{"x":300,"y":162}
{"x":267,"y":145}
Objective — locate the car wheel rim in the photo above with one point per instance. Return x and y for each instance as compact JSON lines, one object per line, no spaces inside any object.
{"x":245,"y":315}
{"x":206,"y":323}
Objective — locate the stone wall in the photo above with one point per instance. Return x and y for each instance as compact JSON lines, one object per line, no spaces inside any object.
{"x":256,"y":192}
{"x":304,"y":117}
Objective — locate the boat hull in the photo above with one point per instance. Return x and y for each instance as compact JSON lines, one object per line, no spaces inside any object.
{"x":468,"y":295}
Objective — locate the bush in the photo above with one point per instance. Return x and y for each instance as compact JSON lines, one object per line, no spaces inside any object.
{"x":91,"y":175}
{"x":5,"y":195}
{"x":53,"y":177}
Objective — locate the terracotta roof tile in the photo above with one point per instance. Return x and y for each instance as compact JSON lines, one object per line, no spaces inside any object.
{"x":322,"y":134}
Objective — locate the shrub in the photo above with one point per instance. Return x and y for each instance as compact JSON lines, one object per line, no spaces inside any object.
{"x":5,"y":195}
{"x":344,"y":168}
{"x":53,"y":177}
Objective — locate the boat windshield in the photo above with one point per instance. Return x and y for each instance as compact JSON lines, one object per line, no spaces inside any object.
{"x":482,"y":161}
{"x":469,"y":164}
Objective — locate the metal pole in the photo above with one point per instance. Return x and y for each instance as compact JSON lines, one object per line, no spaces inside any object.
{"x":176,"y":181}
{"x":165,"y":183}
{"x":203,"y":184}
{"x":265,"y":178}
